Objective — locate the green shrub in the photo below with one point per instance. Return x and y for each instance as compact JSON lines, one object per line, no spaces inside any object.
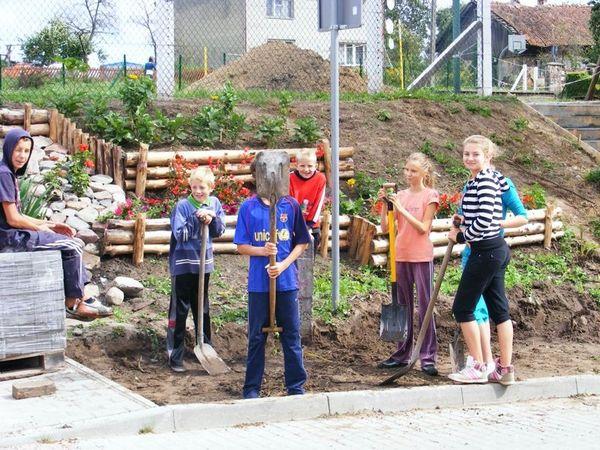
{"x":269,"y":129}
{"x":208,"y":125}
{"x":170,"y":130}
{"x":534,"y":197}
{"x":307,"y":130}
{"x":595,"y":227}
{"x":94,"y":110}
{"x":520,"y":124}
{"x":67,"y":100}
{"x":285,"y":103}
{"x":593,"y":177}
{"x":576,"y":85}
{"x":135,"y":92}
{"x":384,"y":115}
{"x":32,"y":205}
{"x":115,"y":128}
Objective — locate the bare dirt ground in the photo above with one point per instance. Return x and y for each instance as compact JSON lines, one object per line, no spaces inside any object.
{"x":557,"y":330}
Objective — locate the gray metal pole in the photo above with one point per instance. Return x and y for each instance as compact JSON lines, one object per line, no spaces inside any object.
{"x":455,"y":32}
{"x":335,"y":149}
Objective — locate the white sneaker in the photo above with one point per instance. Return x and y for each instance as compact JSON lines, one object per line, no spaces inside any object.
{"x":489,"y":368}
{"x":470,"y":375}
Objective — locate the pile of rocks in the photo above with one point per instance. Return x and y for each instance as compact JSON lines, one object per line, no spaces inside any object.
{"x":116,"y":291}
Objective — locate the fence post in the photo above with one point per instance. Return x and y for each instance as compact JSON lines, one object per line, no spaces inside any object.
{"x":205,"y":60}
{"x":1,"y":67}
{"x":124,"y":66}
{"x":306,"y":263}
{"x":179,"y":70}
{"x":325,"y":233}
{"x":53,"y":123}
{"x":63,"y":74}
{"x":142,"y":170}
{"x":224,"y":58}
{"x":548,"y":226}
{"x":139,"y":232}
{"x":524,"y":80}
{"x":27,"y":116}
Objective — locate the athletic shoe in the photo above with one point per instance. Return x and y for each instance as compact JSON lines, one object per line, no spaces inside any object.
{"x":430,"y":370}
{"x":177,"y":367}
{"x":489,"y":367}
{"x":470,"y":375}
{"x":503,"y":375}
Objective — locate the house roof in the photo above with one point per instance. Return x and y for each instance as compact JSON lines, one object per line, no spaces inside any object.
{"x":544,"y":26}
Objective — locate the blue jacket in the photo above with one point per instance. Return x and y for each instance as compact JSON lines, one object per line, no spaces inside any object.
{"x":184,"y":250}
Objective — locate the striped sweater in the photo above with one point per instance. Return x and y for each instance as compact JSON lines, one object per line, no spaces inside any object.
{"x":482,"y":206}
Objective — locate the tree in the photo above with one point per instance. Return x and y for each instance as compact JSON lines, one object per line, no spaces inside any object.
{"x":145,"y":20}
{"x":89,"y":18}
{"x":52,"y":42}
{"x":594,"y":51}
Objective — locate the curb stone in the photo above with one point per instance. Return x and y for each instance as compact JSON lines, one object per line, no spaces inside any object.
{"x":173,"y":418}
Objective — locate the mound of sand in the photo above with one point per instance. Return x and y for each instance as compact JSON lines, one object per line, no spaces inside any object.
{"x":280,"y":66}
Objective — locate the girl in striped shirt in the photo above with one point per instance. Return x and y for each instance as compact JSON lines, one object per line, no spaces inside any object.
{"x":484,"y":272}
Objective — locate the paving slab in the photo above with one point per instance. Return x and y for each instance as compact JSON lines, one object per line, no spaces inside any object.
{"x":81,"y":395}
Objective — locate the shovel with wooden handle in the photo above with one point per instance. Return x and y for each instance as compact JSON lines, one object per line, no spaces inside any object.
{"x":426,"y":321}
{"x":206,"y":354}
{"x":272,"y":171}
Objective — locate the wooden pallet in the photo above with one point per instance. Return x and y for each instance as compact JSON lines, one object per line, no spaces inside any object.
{"x":22,"y":366}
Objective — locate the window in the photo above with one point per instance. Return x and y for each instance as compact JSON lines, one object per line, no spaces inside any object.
{"x":280,"y":9}
{"x":352,"y":54}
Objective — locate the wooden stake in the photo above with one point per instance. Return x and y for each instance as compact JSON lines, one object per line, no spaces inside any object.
{"x":324,"y":143}
{"x":548,"y":226}
{"x":108,"y":159}
{"x":118,"y":167}
{"x":325,"y":232}
{"x":138,"y":239}
{"x":142,"y":168}
{"x":53,"y":122}
{"x":27,"y":116}
{"x":60,"y":129}
{"x":100,"y":156}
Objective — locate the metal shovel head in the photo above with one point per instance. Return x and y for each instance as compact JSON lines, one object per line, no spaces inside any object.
{"x":457,"y":352}
{"x":272,"y":174}
{"x":393,"y":326}
{"x":211,"y":362}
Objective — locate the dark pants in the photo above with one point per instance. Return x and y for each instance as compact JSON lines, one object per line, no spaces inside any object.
{"x":184,"y":295}
{"x":288,"y":317}
{"x":411,"y":275}
{"x":316,"y":235}
{"x":483,"y":275}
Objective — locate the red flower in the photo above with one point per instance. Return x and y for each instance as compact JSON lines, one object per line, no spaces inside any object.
{"x":83,"y":147}
{"x":89,"y":163}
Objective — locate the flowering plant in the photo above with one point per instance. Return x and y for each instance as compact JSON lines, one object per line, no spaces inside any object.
{"x":448,"y":204}
{"x":79,"y":168}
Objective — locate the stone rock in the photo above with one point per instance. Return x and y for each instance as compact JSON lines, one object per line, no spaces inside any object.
{"x":92,"y":248}
{"x":69,"y":212}
{"x":57,"y":206}
{"x":103,"y":195}
{"x":41,"y":142}
{"x":48,"y":213}
{"x":98,"y":227}
{"x":58,"y":217}
{"x":98,"y":208}
{"x":88,"y":214}
{"x":87,"y":201}
{"x":57,"y":194}
{"x":56,"y":147}
{"x":77,"y":331}
{"x":119,"y":197}
{"x":90,"y":261}
{"x":35,"y":388}
{"x":91,"y":290}
{"x":114,"y":296}
{"x":57,"y":156}
{"x":47,"y":164}
{"x":106,"y":203}
{"x":76,"y":205}
{"x":89,"y":274}
{"x":87,"y":236}
{"x":101,"y":179}
{"x":129,"y":286}
{"x":37,"y":178}
{"x":70,"y":197}
{"x":77,"y":223}
{"x":89,"y":192}
{"x":36,"y":158}
{"x":39,"y":190}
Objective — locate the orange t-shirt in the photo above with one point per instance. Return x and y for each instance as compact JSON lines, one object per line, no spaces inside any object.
{"x":412,"y":246}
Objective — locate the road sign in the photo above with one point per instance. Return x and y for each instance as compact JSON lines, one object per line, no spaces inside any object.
{"x":348,"y":14}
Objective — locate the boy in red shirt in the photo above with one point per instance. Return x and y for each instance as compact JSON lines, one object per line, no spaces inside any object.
{"x":307,"y":185}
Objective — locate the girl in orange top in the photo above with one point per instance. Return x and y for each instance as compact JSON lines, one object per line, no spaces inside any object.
{"x":414,"y":210}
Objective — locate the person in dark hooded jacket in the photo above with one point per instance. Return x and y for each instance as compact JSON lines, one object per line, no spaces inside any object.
{"x":20,"y":233}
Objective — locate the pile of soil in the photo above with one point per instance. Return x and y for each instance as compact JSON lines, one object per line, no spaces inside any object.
{"x":557,"y":332}
{"x":280,"y":66}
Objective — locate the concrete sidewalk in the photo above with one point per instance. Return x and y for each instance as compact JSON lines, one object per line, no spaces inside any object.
{"x":81,"y":395}
{"x":119,"y":412}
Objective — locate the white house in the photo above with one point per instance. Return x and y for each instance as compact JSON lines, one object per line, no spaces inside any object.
{"x":230,"y":28}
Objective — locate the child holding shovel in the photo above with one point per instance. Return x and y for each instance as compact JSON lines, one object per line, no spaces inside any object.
{"x":414,"y":209}
{"x":251,"y":237}
{"x":187,"y":219}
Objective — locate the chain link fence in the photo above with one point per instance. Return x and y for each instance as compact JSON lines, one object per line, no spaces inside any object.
{"x":189,"y":47}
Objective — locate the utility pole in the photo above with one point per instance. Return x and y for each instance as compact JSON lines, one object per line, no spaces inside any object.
{"x":433,"y":29}
{"x":484,"y":48}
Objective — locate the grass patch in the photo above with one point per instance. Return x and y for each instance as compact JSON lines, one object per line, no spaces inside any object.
{"x":120,"y":315}
{"x":519,"y":125}
{"x":595,"y":228}
{"x":593,"y":177}
{"x":161,"y":285}
{"x":352,"y":283}
{"x":451,"y":165}
{"x":476,"y":108}
{"x":595,"y":293}
{"x":118,"y":331}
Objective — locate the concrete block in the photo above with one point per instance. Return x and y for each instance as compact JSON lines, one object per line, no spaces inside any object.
{"x":539,"y":388}
{"x":29,"y":389}
{"x":394,"y":400}
{"x":588,"y":384}
{"x":281,"y":409}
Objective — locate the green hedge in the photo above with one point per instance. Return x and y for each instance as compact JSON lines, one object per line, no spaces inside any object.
{"x":577,"y":84}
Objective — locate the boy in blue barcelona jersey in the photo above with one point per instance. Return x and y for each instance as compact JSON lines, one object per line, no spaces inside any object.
{"x":251,"y":238}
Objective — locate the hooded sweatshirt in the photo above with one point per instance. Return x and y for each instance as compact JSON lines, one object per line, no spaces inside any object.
{"x":9,"y":190}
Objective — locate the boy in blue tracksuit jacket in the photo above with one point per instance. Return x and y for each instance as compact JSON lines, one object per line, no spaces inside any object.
{"x":251,"y":237}
{"x":187,"y":218}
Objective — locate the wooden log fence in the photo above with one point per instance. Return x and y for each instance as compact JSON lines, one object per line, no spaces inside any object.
{"x":156,"y":172}
{"x":125,"y":237}
{"x":544,"y":225}
{"x":109,"y":158}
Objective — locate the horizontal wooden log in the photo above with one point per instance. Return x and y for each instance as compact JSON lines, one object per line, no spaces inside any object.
{"x":39,"y":129}
{"x":204,"y":157}
{"x":164,"y":183}
{"x":380,"y":259}
{"x":17,"y":116}
{"x":158,"y":172}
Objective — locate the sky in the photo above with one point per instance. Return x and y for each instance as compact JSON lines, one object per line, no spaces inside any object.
{"x":21,"y":18}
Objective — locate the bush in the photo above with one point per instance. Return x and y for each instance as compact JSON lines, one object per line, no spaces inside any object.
{"x":94,"y":110}
{"x":67,"y":100}
{"x":32,"y":205}
{"x":135,"y":92}
{"x":576,"y":85}
{"x":32,"y":79}
{"x":534,"y":197}
{"x":170,"y":130}
{"x":306,"y":131}
{"x":270,"y":129}
{"x":593,"y":177}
